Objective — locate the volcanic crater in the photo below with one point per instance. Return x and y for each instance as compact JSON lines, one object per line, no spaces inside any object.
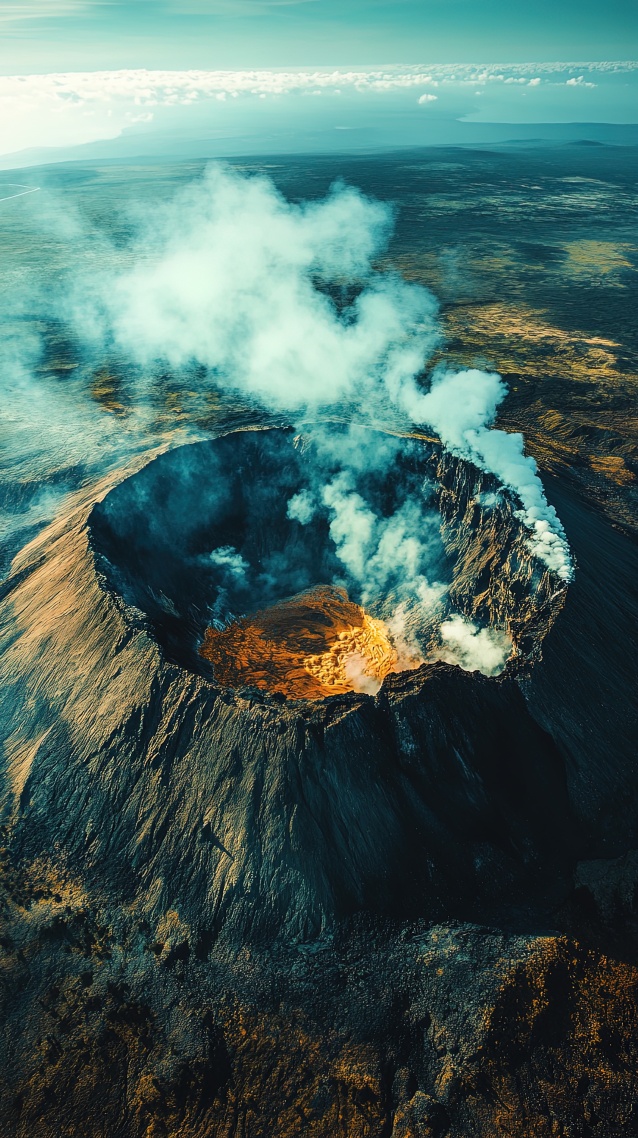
{"x":204,"y":547}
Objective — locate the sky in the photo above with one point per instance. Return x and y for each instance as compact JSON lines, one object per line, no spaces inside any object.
{"x":74,"y":72}
{"x":54,"y":35}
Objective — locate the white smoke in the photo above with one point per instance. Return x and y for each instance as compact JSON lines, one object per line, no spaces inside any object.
{"x":358,"y":676}
{"x":282,"y":303}
{"x":384,"y":555}
{"x":390,"y":551}
{"x":472,"y":648}
{"x":227,"y":277}
{"x":233,"y":277}
{"x":302,"y":507}
{"x":226,"y":558}
{"x":233,"y":569}
{"x":461,"y":407}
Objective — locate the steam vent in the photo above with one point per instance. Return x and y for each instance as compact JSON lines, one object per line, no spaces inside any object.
{"x":272,"y":871}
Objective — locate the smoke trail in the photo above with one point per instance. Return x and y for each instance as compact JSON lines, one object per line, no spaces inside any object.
{"x":461,"y":407}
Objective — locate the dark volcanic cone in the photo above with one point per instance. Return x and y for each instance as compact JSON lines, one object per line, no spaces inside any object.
{"x":252,"y":816}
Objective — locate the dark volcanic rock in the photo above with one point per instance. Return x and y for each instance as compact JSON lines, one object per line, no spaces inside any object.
{"x":585,"y":694}
{"x":444,"y":1031}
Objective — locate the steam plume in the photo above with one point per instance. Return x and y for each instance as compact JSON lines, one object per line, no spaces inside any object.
{"x":473,"y":648}
{"x":233,"y":277}
{"x":234,"y":287}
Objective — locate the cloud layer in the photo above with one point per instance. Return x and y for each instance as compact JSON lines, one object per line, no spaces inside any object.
{"x":154,"y":88}
{"x":76,"y":107}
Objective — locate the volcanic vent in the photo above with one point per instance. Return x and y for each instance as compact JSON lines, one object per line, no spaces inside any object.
{"x":312,"y":565}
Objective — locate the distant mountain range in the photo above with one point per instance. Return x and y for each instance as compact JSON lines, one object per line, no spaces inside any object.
{"x":136,"y":143}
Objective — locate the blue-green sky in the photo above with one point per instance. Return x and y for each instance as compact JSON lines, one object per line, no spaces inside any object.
{"x":385,"y":71}
{"x":51,"y":35}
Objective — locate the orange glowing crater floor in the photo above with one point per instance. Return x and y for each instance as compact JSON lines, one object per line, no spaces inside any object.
{"x":317,"y":643}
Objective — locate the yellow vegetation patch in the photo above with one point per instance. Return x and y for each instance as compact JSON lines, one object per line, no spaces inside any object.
{"x":519,"y":340}
{"x":105,"y":389}
{"x":596,"y":258}
{"x":562,"y":1009}
{"x":613,"y":467}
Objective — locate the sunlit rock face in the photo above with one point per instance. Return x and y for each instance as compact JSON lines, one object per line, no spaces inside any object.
{"x":314,"y":645}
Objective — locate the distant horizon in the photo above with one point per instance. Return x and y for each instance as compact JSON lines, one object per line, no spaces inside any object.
{"x":131,"y":110}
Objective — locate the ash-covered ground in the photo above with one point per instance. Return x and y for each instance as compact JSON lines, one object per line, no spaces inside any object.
{"x":255,"y":882}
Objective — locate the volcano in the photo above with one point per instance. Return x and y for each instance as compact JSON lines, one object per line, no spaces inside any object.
{"x":234,"y":729}
{"x":224,"y":772}
{"x":318,"y":792}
